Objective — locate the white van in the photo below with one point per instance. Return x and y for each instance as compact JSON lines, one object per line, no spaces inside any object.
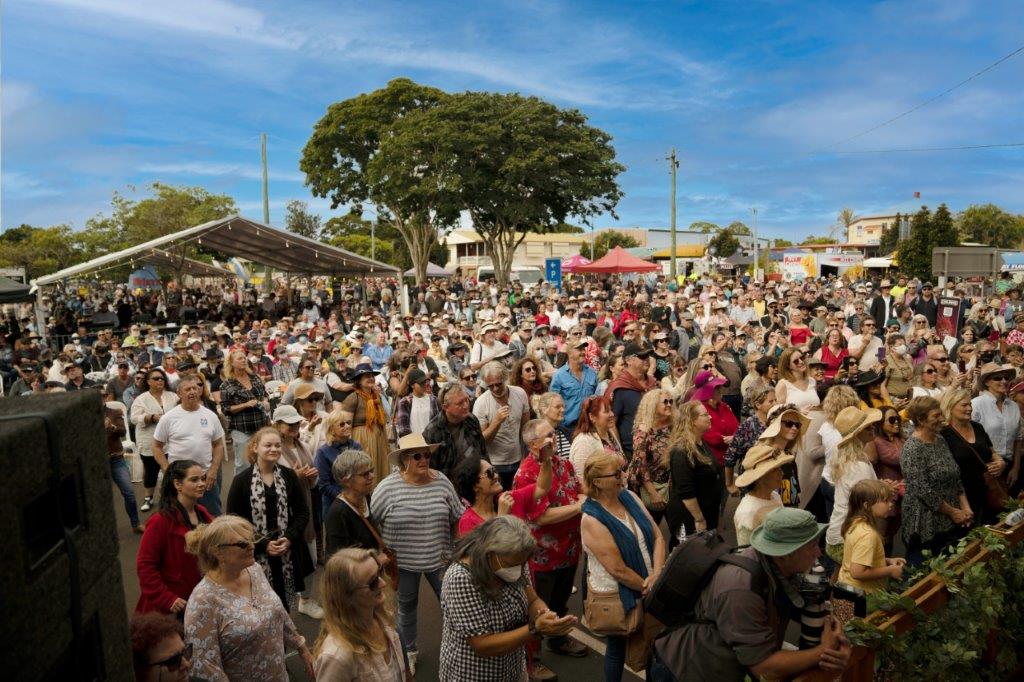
{"x":526,"y":275}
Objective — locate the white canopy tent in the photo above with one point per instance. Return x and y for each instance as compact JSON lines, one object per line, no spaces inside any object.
{"x":245,"y":238}
{"x":878,"y":263}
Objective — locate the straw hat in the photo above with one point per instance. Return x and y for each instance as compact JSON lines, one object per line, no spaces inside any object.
{"x":781,"y":413}
{"x":852,"y":420}
{"x":758,"y":461}
{"x":410,"y":444}
{"x":991,"y":369}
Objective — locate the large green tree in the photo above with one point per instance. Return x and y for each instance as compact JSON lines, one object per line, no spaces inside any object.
{"x":40,"y":250}
{"x":915,"y":252}
{"x":704,"y":226}
{"x":608,"y":240}
{"x":516,"y":164}
{"x":990,"y":225}
{"x":738,"y":227}
{"x":811,"y":239}
{"x":781,"y":242}
{"x":890,"y":236}
{"x":347,"y":159}
{"x":298,"y":220}
{"x":725,"y":243}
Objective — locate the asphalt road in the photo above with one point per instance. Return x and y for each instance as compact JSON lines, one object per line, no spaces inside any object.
{"x":587,"y":669}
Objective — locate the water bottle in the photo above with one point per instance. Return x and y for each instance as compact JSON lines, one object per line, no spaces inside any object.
{"x":1014,"y":517}
{"x":681,"y":536}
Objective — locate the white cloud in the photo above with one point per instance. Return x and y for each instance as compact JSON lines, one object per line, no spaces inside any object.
{"x":212,"y":168}
{"x":25,"y":186}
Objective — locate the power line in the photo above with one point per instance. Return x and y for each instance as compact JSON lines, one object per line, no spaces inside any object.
{"x":929,"y":149}
{"x":930,"y":100}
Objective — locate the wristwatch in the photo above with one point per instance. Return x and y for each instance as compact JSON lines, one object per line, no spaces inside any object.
{"x":532,"y":627}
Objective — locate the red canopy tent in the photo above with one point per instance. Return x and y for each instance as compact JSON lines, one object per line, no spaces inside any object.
{"x":570,"y":264}
{"x":618,"y":261}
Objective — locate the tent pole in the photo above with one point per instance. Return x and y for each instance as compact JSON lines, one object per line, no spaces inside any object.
{"x":40,"y":318}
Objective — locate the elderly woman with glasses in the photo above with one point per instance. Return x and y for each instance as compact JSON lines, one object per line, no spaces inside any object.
{"x":491,"y":613}
{"x":479,"y":486}
{"x":795,"y":385}
{"x":235,"y":623}
{"x":357,"y":636}
{"x":349,"y":521}
{"x":147,"y":409}
{"x":417,"y":509}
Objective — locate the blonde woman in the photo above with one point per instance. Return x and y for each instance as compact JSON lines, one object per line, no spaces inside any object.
{"x":836,"y":400}
{"x":648,"y":472}
{"x":796,"y":386}
{"x":849,"y":466}
{"x":235,"y":623}
{"x":358,"y":641}
{"x":244,"y":401}
{"x":695,"y":496}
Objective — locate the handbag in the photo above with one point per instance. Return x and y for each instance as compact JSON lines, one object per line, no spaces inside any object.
{"x":662,"y":488}
{"x":391,"y":570}
{"x":606,"y":616}
{"x":996,"y":493}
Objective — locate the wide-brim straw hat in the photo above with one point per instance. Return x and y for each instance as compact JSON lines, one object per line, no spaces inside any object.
{"x":852,"y":420}
{"x":758,"y":461}
{"x":774,"y":427}
{"x":410,"y":444}
{"x":991,"y":369}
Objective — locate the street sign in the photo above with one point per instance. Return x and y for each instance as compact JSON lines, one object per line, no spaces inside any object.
{"x":553,"y":272}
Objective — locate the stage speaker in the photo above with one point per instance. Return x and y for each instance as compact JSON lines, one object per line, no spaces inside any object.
{"x":336,"y":291}
{"x":61,"y":590}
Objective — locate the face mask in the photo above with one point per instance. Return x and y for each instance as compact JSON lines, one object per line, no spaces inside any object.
{"x":510,"y":574}
{"x":303,"y":339}
{"x":253,"y":359}
{"x":900,"y":350}
{"x":987,"y":356}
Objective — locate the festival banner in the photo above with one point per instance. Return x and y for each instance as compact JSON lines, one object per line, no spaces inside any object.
{"x":947,"y":317}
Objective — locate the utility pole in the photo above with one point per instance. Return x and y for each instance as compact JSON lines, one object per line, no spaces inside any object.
{"x":757,"y":245}
{"x":267,"y":273}
{"x":674,"y":164}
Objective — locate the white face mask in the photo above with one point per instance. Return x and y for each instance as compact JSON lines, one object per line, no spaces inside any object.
{"x":899,"y":350}
{"x":510,"y":574}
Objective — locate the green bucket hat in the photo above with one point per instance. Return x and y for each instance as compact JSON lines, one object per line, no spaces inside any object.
{"x":786,"y":530}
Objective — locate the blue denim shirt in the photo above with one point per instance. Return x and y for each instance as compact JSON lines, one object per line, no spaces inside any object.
{"x":573,"y":391}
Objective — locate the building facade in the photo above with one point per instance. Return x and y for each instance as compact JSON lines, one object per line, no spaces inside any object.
{"x":466,"y":249}
{"x":867,"y":230}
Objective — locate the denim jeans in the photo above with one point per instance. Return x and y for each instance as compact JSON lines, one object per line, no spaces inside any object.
{"x":239,"y":440}
{"x":614,"y":658}
{"x":408,"y":602}
{"x":122,"y":476}
{"x":211,"y":498}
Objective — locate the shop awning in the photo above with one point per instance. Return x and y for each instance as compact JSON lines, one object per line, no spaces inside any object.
{"x":682,"y":251}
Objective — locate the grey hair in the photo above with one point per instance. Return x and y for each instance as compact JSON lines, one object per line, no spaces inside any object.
{"x":495,"y":368}
{"x":500,"y":535}
{"x":348,"y":464}
{"x":531,"y":429}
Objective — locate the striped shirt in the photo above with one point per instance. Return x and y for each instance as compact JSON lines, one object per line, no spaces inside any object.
{"x":417,"y":521}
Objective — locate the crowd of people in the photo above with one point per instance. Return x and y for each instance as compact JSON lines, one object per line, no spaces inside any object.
{"x":510,"y":447}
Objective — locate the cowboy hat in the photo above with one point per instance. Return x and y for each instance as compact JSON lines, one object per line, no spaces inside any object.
{"x":852,"y":420}
{"x":361,"y":370}
{"x":758,"y":461}
{"x":869,"y":378}
{"x":775,"y":418}
{"x":786,"y":530}
{"x":410,"y":444}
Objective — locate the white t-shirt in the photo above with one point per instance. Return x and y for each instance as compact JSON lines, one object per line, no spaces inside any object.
{"x":855,"y":473}
{"x":506,"y":446}
{"x":830,"y":438}
{"x":419,"y":415}
{"x":870,"y":356}
{"x":189,"y":434}
{"x":747,"y":511}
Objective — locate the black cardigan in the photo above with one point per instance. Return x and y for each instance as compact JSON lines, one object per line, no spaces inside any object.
{"x":240,"y":503}
{"x":343,"y":528}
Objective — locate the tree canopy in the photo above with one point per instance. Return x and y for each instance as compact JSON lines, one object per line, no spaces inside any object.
{"x":298,"y":220}
{"x":988,"y":224}
{"x":725,"y":243}
{"x":704,"y":226}
{"x":608,"y":240}
{"x":39,"y":250}
{"x":738,"y":227}
{"x":811,"y":239}
{"x":927,"y":231}
{"x":516,"y":164}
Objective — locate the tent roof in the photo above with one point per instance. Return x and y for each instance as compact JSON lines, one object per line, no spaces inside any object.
{"x":196,"y":268}
{"x":617,"y":260}
{"x":12,"y":291}
{"x":433,"y":270}
{"x":572,"y":262}
{"x":248,"y":239}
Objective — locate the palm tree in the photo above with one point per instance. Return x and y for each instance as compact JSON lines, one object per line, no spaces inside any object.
{"x":846,"y":218}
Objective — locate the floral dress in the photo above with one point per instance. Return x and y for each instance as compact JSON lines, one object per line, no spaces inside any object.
{"x":649,"y":461}
{"x":558,"y":544}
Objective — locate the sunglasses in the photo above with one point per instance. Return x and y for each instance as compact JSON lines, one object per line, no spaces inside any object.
{"x":525,"y":369}
{"x":893,"y":420}
{"x":929,"y":371}
{"x":668,"y":401}
{"x":999,"y":379}
{"x":342,"y":423}
{"x":942,"y":359}
{"x":618,"y":473}
{"x":490,"y":473}
{"x":375,"y":582}
{"x":417,"y":456}
{"x":241,"y":544}
{"x":155,"y":378}
{"x":174,"y":662}
{"x":495,"y":386}
{"x":790,"y":424}
{"x":468,"y":377}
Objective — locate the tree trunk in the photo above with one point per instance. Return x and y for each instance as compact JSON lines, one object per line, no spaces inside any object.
{"x":420,"y":237}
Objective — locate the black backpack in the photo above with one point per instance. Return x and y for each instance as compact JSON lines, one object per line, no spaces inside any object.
{"x":688,"y":570}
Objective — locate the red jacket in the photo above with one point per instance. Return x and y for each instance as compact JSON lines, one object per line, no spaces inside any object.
{"x":723,"y":424}
{"x":166,"y":571}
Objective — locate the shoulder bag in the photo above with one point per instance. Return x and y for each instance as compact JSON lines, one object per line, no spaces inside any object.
{"x":605,"y":614}
{"x":995,"y":492}
{"x":391,"y":570}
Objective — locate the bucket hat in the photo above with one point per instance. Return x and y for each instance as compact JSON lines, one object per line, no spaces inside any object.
{"x":786,"y":530}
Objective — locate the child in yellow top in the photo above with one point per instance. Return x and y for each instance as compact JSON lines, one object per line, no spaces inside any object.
{"x":864,"y":562}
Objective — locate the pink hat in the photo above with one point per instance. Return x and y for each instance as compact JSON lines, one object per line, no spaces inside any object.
{"x":705,"y":383}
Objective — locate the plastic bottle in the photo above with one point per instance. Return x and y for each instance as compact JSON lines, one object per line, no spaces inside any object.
{"x":1014,"y":517}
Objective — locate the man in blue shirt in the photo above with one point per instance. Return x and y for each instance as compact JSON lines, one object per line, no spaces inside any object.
{"x":575,"y":381}
{"x":379,"y":352}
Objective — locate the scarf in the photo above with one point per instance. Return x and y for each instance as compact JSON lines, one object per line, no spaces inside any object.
{"x":258,"y":498}
{"x":625,"y":540}
{"x":627,"y":380}
{"x":374,"y":409}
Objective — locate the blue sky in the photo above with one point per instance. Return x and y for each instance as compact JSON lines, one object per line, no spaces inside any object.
{"x":101,"y":95}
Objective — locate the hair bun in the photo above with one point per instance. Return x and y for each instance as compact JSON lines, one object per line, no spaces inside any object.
{"x":194,"y":538}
